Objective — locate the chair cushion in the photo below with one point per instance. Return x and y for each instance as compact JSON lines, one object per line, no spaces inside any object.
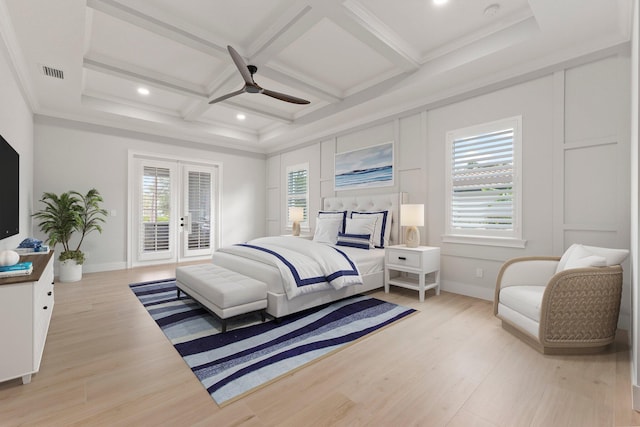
{"x":523,"y":299}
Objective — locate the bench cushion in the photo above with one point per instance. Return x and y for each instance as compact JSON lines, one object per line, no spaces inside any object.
{"x":223,"y":288}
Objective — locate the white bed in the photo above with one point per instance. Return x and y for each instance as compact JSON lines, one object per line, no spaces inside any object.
{"x":370,"y":262}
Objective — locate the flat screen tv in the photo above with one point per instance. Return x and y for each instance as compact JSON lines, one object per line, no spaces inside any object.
{"x":9,"y":190}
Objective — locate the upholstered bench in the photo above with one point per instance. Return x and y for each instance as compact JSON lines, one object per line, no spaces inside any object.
{"x":223,"y":292}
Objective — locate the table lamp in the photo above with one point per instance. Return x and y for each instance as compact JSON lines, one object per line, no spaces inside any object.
{"x":412,"y":217}
{"x":296,"y":214}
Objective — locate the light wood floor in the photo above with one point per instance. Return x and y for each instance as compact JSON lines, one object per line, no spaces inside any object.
{"x":107,"y":363}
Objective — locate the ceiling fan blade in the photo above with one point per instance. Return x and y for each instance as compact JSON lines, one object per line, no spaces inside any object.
{"x":242,"y":67}
{"x":229,"y":95}
{"x":284,"y":97}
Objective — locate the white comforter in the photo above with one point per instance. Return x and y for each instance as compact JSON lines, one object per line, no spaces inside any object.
{"x":305,"y":266}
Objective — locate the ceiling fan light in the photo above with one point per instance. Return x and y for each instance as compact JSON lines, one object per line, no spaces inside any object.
{"x":143,"y":91}
{"x":440,"y":2}
{"x":240,"y":116}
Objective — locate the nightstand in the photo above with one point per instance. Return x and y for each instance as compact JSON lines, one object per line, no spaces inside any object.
{"x":420,"y":261}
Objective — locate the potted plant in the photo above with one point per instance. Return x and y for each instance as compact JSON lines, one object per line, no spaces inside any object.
{"x":62,"y":217}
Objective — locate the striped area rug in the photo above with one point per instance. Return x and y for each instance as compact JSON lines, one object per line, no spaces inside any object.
{"x":251,"y":353}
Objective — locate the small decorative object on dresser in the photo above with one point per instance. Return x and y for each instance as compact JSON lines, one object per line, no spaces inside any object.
{"x":8,"y":258}
{"x":412,"y":217}
{"x":419,"y":261}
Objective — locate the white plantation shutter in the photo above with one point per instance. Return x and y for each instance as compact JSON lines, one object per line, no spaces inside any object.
{"x":482,"y":178}
{"x":155,"y":209}
{"x":199,"y":189}
{"x":483,"y":190}
{"x":298,"y":189}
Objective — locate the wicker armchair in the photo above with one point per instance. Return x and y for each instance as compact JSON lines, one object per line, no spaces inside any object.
{"x":572,"y":311}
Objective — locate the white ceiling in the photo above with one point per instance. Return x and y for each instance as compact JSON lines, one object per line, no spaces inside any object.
{"x":355,"y":60}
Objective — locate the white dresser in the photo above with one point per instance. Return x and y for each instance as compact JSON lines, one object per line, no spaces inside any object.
{"x":26,"y":304}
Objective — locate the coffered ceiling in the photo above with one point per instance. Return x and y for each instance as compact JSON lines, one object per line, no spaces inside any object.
{"x":354,"y":60}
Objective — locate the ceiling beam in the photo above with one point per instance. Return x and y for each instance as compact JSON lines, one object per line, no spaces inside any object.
{"x":310,"y":87}
{"x":353,"y":100}
{"x":291,"y":25}
{"x":162,"y":27}
{"x":264,"y":113}
{"x":139,"y":74}
{"x":352,"y":17}
{"x":289,"y":28}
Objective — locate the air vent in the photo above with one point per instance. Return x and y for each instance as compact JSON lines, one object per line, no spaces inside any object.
{"x":53,"y":72}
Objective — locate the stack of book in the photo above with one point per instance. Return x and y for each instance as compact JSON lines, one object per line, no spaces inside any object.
{"x":19,"y":269}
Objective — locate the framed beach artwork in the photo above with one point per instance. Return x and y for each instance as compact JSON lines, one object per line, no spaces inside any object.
{"x":364,"y":168}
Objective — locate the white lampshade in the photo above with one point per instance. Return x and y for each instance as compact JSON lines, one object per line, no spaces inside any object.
{"x":412,"y":215}
{"x":296,"y":213}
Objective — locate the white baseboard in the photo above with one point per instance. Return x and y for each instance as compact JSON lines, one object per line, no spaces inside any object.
{"x":624,"y":321}
{"x":95,"y":268}
{"x":635,"y":392}
{"x":468,"y":290}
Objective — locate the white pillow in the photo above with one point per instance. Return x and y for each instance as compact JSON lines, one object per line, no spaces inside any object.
{"x":590,"y":256}
{"x":565,"y":257}
{"x":362,"y":226}
{"x":383,"y":226}
{"x":581,"y":258}
{"x":327,"y":230}
{"x":335,"y":214}
{"x":613,"y":256}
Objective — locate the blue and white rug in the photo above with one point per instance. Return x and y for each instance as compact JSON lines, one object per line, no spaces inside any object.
{"x":254,"y":354}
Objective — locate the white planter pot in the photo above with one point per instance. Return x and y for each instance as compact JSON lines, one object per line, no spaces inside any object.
{"x":70,"y":271}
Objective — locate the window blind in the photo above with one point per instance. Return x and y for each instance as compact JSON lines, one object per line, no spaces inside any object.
{"x":482,"y":174}
{"x":297,"y":190}
{"x":199,"y":210}
{"x":155,"y":208}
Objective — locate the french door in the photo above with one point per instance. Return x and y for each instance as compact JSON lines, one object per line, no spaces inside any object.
{"x":173,"y":211}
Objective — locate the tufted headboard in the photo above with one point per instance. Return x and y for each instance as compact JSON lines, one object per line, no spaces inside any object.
{"x":374,"y":202}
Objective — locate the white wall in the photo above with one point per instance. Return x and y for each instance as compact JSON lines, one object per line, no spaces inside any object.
{"x":16,"y":126}
{"x":634,"y":334}
{"x":73,"y":156}
{"x":575,"y":168}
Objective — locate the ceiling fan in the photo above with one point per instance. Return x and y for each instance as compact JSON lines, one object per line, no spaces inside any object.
{"x":250,"y":86}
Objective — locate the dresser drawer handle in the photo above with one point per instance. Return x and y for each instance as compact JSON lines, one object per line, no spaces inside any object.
{"x":45,"y":307}
{"x":403,"y":258}
{"x":49,"y":293}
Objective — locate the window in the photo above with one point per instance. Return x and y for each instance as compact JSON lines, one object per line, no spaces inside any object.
{"x":155,"y":209}
{"x":199,"y":208}
{"x":298,"y":191}
{"x":483,"y":184}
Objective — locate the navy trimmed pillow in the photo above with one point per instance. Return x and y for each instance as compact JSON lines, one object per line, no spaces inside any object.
{"x":335,"y":214}
{"x":383,"y":226}
{"x":360,"y":241}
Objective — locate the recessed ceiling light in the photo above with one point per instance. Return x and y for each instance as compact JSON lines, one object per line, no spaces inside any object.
{"x":240,"y":116}
{"x":439,"y":2}
{"x":143,"y":91}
